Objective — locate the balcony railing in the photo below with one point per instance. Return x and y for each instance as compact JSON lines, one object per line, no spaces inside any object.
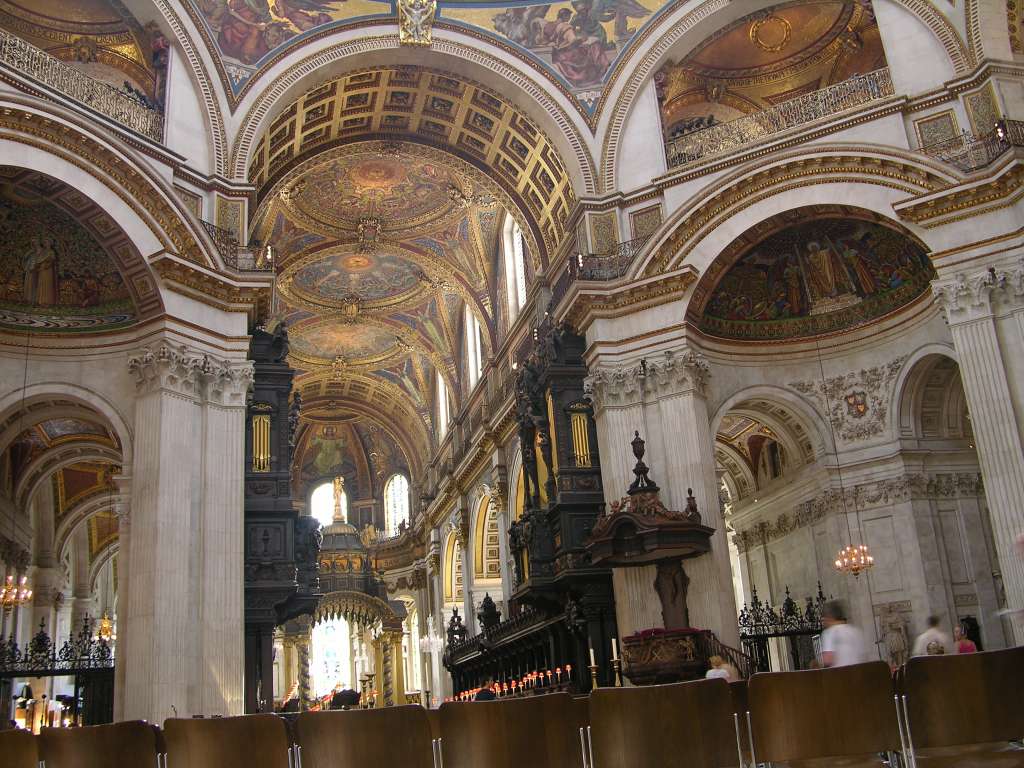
{"x":811,"y":107}
{"x":969,"y":153}
{"x":597,"y":266}
{"x":251,"y":258}
{"x":31,"y":62}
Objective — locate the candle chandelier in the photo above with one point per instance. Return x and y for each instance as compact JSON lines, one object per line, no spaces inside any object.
{"x":106,"y":631}
{"x":852,"y":559}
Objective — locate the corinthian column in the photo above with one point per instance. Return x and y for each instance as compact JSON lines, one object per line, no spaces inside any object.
{"x":186,"y":495}
{"x":985,"y":312}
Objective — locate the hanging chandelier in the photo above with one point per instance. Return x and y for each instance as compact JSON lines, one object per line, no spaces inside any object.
{"x":854,"y":560}
{"x":106,"y":631}
{"x":15,"y":595}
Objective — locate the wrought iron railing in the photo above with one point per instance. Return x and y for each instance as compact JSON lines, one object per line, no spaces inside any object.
{"x":47,"y":70}
{"x":809,"y":108}
{"x":226,"y":242}
{"x":597,"y":266}
{"x":969,"y":152}
{"x":41,"y":656}
{"x":760,"y":619}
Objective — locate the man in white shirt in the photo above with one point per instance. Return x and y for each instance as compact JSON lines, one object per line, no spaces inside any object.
{"x":933,"y":641}
{"x":842,"y":644}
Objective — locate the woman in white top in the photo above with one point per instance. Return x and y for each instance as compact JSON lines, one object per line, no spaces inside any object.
{"x":721,"y":668}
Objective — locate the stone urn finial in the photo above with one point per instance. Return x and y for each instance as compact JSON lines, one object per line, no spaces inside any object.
{"x":643,"y":483}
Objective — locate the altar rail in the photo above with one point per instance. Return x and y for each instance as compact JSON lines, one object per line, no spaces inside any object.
{"x":808,"y":108}
{"x":30,"y":62}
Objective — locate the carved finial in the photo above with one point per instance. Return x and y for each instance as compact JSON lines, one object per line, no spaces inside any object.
{"x":643,"y":483}
{"x":692,"y":513}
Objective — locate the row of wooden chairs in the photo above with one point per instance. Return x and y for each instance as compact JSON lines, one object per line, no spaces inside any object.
{"x":949,"y":711}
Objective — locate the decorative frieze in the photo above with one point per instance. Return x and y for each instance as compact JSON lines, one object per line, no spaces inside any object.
{"x":189,"y":373}
{"x":860,"y":497}
{"x":858,"y":401}
{"x":673,"y":373}
{"x":970,"y":297}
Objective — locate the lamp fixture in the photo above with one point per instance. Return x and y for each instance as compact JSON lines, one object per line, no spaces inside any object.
{"x":852,"y":560}
{"x":106,"y":631}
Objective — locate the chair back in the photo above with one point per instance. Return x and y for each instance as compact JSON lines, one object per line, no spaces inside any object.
{"x":361,"y":737}
{"x":974,"y":698}
{"x":119,"y":745}
{"x":19,"y":748}
{"x":249,"y":741}
{"x":535,"y":731}
{"x":823,"y":713}
{"x":657,"y":725}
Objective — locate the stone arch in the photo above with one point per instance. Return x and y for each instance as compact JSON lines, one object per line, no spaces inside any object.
{"x":80,"y":513}
{"x":486,"y":522}
{"x":47,"y":138}
{"x":54,"y":459}
{"x":105,"y":555}
{"x":93,"y":404}
{"x":453,"y":568}
{"x":298,"y":70}
{"x":850,"y":174}
{"x":695,"y":22}
{"x":929,"y":400}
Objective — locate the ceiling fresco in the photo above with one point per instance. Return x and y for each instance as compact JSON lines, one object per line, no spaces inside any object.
{"x":103,"y":528}
{"x":359,"y":276}
{"x":353,"y":342}
{"x":36,"y":439}
{"x":577,"y":42}
{"x":813,"y":276}
{"x":767,"y":58}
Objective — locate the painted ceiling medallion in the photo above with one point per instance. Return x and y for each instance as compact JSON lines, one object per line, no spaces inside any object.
{"x":353,"y":342}
{"x":771,"y":33}
{"x":365,"y":276}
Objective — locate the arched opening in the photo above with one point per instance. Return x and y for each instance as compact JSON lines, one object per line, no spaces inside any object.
{"x":514,"y":259}
{"x":330,"y":665}
{"x":396,"y":504}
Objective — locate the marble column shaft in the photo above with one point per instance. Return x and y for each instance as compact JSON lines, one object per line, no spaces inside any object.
{"x":985,"y":312}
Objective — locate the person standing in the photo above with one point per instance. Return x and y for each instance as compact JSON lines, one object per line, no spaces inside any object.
{"x":964,"y":644}
{"x":933,"y":641}
{"x":842,"y":644}
{"x":487,"y":692}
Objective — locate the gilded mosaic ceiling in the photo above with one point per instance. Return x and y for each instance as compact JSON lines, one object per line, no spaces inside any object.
{"x":59,"y":259}
{"x":576,"y":43}
{"x":767,"y":58}
{"x":809,"y":272}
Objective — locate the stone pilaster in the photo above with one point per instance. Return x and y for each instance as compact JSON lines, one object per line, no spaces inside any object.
{"x":185,"y":497}
{"x":664,"y":399}
{"x":985,"y":312}
{"x":124,"y":539}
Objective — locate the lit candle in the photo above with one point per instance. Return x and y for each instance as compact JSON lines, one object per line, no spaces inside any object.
{"x":558,"y":674}
{"x":568,"y":670}
{"x":593,"y":663}
{"x":615,"y":650}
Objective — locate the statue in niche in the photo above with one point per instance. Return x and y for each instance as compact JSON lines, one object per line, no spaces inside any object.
{"x":894,"y":635}
{"x":672,"y":584}
{"x":41,"y":273}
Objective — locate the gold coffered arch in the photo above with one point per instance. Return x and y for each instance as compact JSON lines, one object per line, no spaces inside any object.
{"x":432,"y":108}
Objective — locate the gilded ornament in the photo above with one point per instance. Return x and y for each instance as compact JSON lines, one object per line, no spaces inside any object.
{"x":415,"y":19}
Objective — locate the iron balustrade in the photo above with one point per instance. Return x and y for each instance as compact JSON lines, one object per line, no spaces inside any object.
{"x":608,"y":265}
{"x":29,"y":61}
{"x":802,"y":110}
{"x":971,"y":153}
{"x":41,"y":656}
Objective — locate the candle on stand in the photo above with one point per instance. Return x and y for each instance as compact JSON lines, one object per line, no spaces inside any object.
{"x":615,"y":649}
{"x":592,"y":662}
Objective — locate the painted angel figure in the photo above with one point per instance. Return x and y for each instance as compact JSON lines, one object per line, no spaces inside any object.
{"x":415,"y":18}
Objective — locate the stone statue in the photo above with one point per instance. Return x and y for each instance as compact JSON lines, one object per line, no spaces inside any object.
{"x":415,"y":18}
{"x":672,"y":584}
{"x":456,"y":629}
{"x":894,"y":635}
{"x":488,"y":615}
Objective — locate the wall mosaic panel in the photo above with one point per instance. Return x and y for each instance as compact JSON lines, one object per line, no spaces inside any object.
{"x":982,"y":110}
{"x":936,"y":129}
{"x":644,"y":222}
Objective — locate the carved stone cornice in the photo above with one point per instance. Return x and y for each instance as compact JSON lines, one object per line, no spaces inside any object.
{"x":460,"y":526}
{"x":189,"y":373}
{"x":895,"y":490}
{"x":966,"y":297}
{"x":671,"y":374}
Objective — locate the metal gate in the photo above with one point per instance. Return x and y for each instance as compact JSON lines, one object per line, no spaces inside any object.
{"x":85,"y":657}
{"x":759,"y":623}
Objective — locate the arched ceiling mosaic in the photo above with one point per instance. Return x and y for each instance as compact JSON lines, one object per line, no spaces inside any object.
{"x":767,"y":58}
{"x":63,"y":260}
{"x":479,"y":130}
{"x":810,"y":271}
{"x":577,"y":44}
{"x":98,"y":37}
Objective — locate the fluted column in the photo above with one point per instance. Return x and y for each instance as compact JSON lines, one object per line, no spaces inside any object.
{"x":664,"y":399}
{"x":124,"y":539}
{"x":184,"y":502}
{"x":985,"y":311}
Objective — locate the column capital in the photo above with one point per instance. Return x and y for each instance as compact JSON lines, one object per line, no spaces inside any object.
{"x":671,"y":373}
{"x":190,"y":373}
{"x":972,"y":296}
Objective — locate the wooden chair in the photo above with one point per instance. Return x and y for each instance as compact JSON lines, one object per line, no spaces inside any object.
{"x":740,"y":707}
{"x":658,"y":726}
{"x":20,"y":749}
{"x":824,"y":714}
{"x":250,"y":741}
{"x":119,"y":745}
{"x":365,"y":737}
{"x":536,"y":731}
{"x":964,"y":710}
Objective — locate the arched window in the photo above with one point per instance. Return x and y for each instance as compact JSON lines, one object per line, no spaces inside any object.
{"x":330,"y":664}
{"x":443,"y":408}
{"x":515,"y":266}
{"x":474,"y":348}
{"x":396,"y":503}
{"x":323,"y":502}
